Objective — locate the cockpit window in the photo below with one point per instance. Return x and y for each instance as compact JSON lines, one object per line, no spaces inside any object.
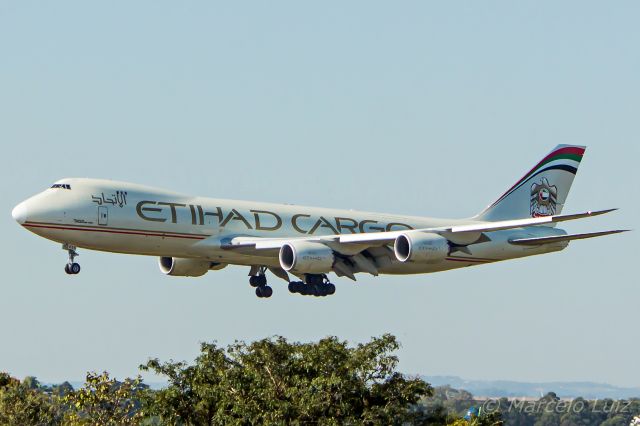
{"x":61,"y":185}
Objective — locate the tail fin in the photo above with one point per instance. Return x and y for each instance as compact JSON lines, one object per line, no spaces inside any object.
{"x":542,"y":191}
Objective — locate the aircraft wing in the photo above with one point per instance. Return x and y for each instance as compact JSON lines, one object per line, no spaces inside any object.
{"x":368,"y":251}
{"x":456,"y":233}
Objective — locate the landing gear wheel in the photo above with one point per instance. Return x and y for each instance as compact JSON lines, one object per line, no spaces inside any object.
{"x":330,"y":289}
{"x":67,"y":269}
{"x":298,"y":287}
{"x":316,"y":290}
{"x":306,"y":290}
{"x":253,"y":281}
{"x":264,"y":291}
{"x":267,"y":291}
{"x":74,"y":268}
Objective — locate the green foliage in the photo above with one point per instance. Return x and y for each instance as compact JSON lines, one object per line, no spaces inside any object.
{"x":275,"y":381}
{"x":6,"y":379}
{"x":105,"y":401}
{"x":62,"y":389}
{"x":549,"y":410}
{"x":447,"y":403}
{"x":26,"y":404}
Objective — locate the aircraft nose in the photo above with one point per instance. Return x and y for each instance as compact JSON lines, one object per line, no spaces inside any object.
{"x":19,"y":213}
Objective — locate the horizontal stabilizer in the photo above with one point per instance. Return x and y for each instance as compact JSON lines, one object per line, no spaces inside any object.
{"x":559,"y":238}
{"x":519,"y":223}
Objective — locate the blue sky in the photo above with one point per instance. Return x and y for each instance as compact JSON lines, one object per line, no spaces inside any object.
{"x":421,"y":108}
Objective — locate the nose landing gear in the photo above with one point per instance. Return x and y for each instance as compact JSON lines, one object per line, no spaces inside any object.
{"x":71,"y":268}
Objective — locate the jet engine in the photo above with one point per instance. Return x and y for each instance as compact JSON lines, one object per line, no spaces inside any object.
{"x":180,"y":267}
{"x":305,"y":257}
{"x":421,"y":248}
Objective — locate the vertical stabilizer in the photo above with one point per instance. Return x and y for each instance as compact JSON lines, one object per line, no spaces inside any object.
{"x":542,"y":191}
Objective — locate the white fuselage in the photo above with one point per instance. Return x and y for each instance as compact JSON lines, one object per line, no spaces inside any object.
{"x":134,"y":219}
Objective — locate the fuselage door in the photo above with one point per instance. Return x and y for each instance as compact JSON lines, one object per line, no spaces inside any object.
{"x":103,"y":216}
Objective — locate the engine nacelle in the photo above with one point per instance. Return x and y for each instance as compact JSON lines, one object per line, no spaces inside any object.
{"x":179,"y":267}
{"x":421,"y":248}
{"x":304,"y":257}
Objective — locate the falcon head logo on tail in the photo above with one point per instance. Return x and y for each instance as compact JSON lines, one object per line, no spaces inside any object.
{"x":544,"y":198}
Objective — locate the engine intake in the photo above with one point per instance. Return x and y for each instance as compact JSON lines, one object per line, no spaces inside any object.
{"x":421,"y":248}
{"x":180,"y":267}
{"x":306,"y":258}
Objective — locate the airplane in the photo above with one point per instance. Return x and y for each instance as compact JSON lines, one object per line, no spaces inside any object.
{"x":302,"y":245}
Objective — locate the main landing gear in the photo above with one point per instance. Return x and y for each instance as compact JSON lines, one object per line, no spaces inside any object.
{"x":71,"y":268}
{"x":314,"y":285}
{"x":260,"y":283}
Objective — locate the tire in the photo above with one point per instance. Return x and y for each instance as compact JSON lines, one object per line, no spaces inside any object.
{"x":75,"y":268}
{"x":267,"y":291}
{"x":253,"y":281}
{"x":262,"y":280}
{"x":66,"y":269}
{"x":305,"y":290}
{"x":293,"y":287}
{"x":259,"y":292}
{"x":330,"y":289}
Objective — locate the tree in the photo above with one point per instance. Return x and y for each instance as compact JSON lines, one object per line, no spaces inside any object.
{"x":275,"y":381}
{"x":490,"y":419}
{"x":6,"y":379}
{"x":25,"y":404}
{"x":62,"y":389}
{"x":445,"y":404}
{"x":31,"y":382}
{"x":105,"y":401}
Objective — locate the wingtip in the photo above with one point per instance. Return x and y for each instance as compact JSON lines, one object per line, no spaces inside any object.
{"x":599,"y":212}
{"x":617,"y":231}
